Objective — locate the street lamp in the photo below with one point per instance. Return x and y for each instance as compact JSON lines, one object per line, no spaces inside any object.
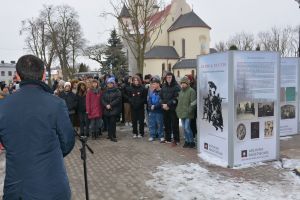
{"x":298,"y":1}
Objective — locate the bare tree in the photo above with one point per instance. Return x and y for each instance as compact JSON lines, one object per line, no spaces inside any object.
{"x":138,"y":29}
{"x":243,"y":41}
{"x":65,"y":34}
{"x":38,"y":41}
{"x":278,"y":39}
{"x":221,"y":46}
{"x":96,"y":52}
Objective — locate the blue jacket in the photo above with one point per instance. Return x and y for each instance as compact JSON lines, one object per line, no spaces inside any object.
{"x":154,"y":99}
{"x":36,"y":132}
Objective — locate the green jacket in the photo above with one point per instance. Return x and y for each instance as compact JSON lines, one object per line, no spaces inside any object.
{"x":187,"y":102}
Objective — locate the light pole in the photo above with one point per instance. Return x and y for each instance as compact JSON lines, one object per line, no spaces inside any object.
{"x":298,"y":1}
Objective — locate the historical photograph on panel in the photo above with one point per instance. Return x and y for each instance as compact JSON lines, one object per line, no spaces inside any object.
{"x":241,"y":131}
{"x":212,"y":109}
{"x":288,"y":112}
{"x":290,"y":94}
{"x":254,"y":130}
{"x":265,"y":109}
{"x":269,"y":127}
{"x":245,"y":110}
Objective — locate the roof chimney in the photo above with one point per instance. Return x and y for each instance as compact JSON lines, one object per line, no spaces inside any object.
{"x":2,"y":61}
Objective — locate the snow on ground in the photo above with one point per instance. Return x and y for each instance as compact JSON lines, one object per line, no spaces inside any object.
{"x":192,"y":182}
{"x":286,"y":138}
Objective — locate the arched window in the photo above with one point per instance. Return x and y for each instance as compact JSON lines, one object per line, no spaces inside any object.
{"x":193,"y":73}
{"x":178,"y":73}
{"x":2,"y":73}
{"x":183,"y":48}
{"x":163,"y":68}
{"x":169,"y":67}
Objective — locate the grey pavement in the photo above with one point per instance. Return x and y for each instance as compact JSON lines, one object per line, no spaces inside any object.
{"x":119,"y":171}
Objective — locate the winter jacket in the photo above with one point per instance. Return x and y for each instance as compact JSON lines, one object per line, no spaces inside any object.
{"x":137,"y":97}
{"x":112,"y":97}
{"x":154,"y":99}
{"x":169,"y":94}
{"x":81,"y":103}
{"x":36,"y":132}
{"x":93,"y":103}
{"x":125,"y":93}
{"x":186,"y":103}
{"x":71,"y":101}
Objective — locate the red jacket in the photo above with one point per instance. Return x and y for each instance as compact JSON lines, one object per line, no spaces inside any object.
{"x":93,"y":104}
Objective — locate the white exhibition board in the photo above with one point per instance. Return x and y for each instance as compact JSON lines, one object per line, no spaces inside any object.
{"x":238,"y":106}
{"x":213,"y":91}
{"x":289,"y":101}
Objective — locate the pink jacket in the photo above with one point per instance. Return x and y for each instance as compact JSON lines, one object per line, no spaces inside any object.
{"x":93,"y":104}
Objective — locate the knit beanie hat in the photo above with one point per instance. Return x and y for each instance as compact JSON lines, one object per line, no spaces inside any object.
{"x":155,"y":79}
{"x":67,"y":84}
{"x":185,"y":80}
{"x":111,"y":80}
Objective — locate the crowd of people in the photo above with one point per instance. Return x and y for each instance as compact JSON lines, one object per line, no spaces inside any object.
{"x":96,"y":104}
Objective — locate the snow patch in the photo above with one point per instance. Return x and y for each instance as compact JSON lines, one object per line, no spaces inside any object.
{"x":213,"y":160}
{"x":192,"y":182}
{"x":290,"y":163}
{"x":285,"y":138}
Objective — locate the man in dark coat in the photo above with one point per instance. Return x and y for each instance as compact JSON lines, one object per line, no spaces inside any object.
{"x":168,"y":96}
{"x":36,"y":132}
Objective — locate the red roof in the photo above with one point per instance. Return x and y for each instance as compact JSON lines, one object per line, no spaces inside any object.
{"x":159,"y":16}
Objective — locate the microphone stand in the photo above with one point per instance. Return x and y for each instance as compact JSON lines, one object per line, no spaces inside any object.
{"x":83,"y":140}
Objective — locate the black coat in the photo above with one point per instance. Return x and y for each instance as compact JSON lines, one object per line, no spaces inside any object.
{"x":125,"y":93}
{"x":137,"y":96}
{"x":81,"y":103}
{"x":112,"y":97}
{"x":36,"y":132}
{"x":71,"y":101}
{"x":169,"y":94}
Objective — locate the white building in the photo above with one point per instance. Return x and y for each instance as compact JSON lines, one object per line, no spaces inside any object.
{"x":7,"y":71}
{"x":182,"y":36}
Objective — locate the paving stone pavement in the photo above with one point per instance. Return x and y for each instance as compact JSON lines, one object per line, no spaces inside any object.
{"x":118,"y":171}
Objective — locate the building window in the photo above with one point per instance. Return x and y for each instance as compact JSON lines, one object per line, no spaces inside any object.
{"x":183,"y":48}
{"x":2,"y":73}
{"x":9,"y":73}
{"x":169,"y":67}
{"x":193,"y":73}
{"x":173,"y":43}
{"x":178,"y":73}
{"x":163,"y":68}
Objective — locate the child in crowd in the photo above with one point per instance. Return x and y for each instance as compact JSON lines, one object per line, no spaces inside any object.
{"x":155,"y":111}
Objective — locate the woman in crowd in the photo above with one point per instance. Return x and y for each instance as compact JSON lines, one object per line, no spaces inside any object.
{"x":137,"y":99}
{"x":126,"y":104}
{"x":70,"y":99}
{"x":112,"y":103}
{"x":94,"y":109}
{"x":81,"y":108}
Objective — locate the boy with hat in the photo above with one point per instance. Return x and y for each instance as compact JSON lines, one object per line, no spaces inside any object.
{"x":155,"y":111}
{"x":185,"y":110}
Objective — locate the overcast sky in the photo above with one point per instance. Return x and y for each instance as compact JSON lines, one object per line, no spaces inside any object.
{"x":226,"y":17}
